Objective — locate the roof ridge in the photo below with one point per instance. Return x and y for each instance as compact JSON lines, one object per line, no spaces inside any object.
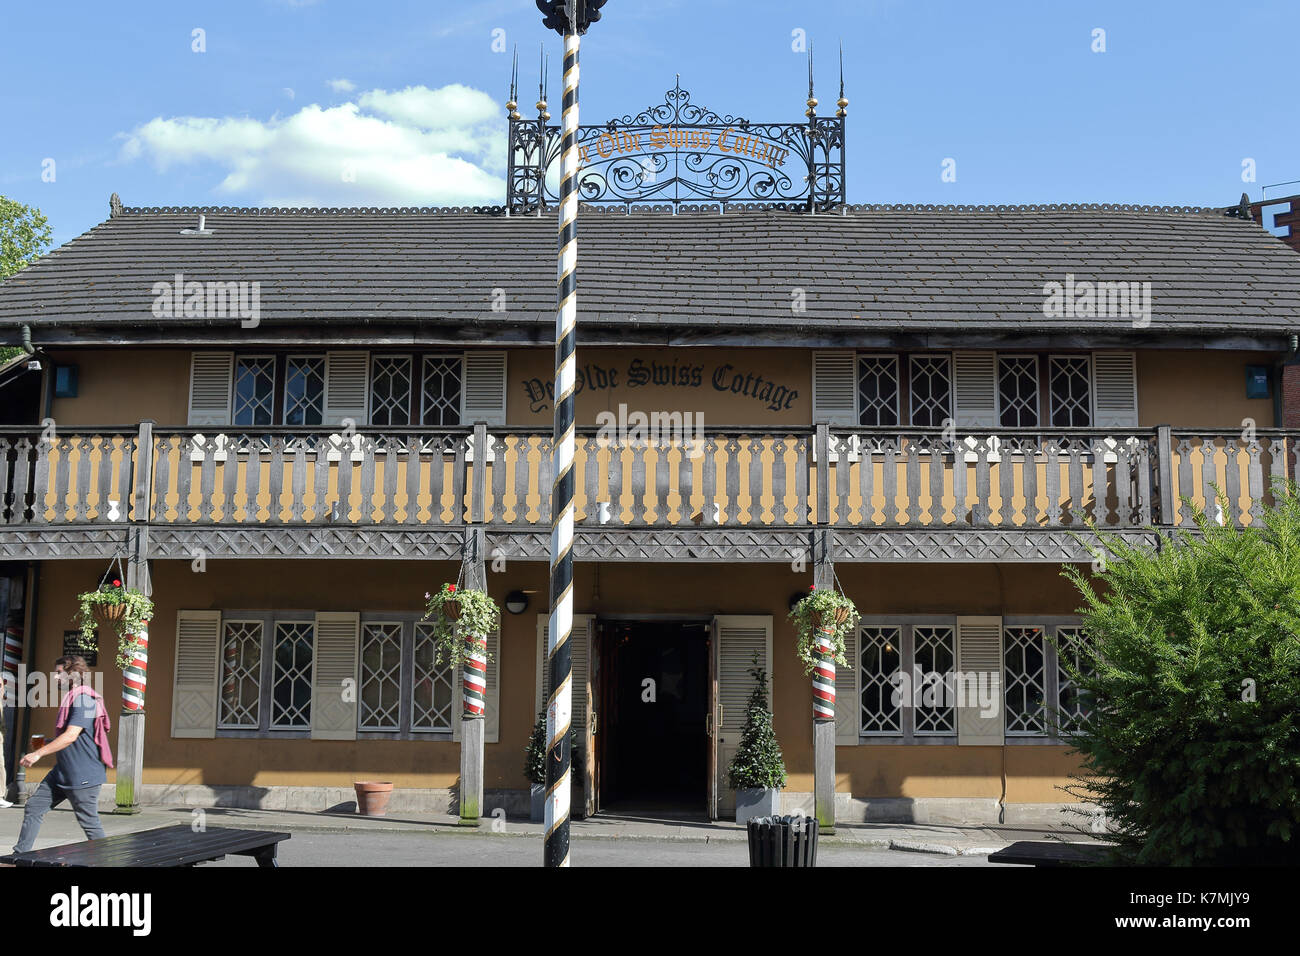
{"x":666,"y":209}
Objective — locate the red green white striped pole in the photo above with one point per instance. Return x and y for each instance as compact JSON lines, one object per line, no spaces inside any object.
{"x":474,"y":676}
{"x":133,"y":679}
{"x":824,"y":674}
{"x":559,"y":708}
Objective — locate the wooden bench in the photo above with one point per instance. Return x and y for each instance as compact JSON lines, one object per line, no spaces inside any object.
{"x":166,"y":846}
{"x":1053,"y":853}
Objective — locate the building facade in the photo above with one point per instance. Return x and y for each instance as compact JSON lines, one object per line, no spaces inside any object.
{"x":293,"y":423}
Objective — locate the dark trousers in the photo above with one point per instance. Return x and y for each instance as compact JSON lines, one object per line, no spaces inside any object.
{"x":85,"y":804}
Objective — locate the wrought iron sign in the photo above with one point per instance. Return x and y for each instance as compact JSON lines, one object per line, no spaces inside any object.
{"x":679,"y":152}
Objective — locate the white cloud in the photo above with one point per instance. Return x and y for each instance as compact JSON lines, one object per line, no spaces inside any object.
{"x":415,"y":146}
{"x":342,"y":86}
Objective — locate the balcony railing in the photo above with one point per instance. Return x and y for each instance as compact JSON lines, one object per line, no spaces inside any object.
{"x":731,"y":477}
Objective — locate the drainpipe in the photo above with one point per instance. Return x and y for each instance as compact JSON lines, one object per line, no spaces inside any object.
{"x":27,"y":340}
{"x":1289,"y":358}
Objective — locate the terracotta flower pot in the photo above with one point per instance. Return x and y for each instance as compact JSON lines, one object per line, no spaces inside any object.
{"x":108,"y":615}
{"x":372,"y":797}
{"x":452,"y":610}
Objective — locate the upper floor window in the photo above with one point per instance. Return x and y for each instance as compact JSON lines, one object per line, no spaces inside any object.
{"x":254,"y":402}
{"x":1069,"y":388}
{"x":440,"y":391}
{"x":1018,"y":391}
{"x":931,"y":389}
{"x":390,"y":390}
{"x":304,"y":390}
{"x":878,"y":390}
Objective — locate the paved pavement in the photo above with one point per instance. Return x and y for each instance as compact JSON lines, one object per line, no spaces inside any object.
{"x":323,"y":839}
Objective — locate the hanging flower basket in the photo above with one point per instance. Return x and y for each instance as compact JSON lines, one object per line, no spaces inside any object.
{"x":124,"y":611}
{"x":823,"y":608}
{"x":456,"y":615}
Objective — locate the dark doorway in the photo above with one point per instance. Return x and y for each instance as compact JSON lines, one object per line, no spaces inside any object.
{"x":655,"y":752}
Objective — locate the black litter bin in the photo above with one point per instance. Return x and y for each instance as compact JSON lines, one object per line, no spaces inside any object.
{"x":782,"y":841}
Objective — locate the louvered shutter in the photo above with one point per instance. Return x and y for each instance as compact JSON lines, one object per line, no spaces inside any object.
{"x":483,"y":397}
{"x":580,"y":648}
{"x":979,"y":672}
{"x":346,"y":387}
{"x":1115,"y":389}
{"x":194,"y":689}
{"x":835,"y":390}
{"x":334,"y":662}
{"x":211,"y":378}
{"x":848,"y":708}
{"x":975,"y":389}
{"x":739,"y":637}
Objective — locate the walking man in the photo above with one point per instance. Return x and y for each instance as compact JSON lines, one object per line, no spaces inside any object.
{"x":81,"y":743}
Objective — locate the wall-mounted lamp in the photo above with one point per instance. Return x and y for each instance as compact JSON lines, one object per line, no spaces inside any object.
{"x":516,"y":602}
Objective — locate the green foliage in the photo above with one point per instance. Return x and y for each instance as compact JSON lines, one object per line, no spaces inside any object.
{"x":139,"y":611}
{"x":758,"y":763}
{"x":1193,"y":661}
{"x":535,"y":752}
{"x":479,"y":616}
{"x":805,"y":616}
{"x":24,"y":236}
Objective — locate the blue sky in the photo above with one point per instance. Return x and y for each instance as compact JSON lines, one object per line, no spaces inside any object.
{"x":408,"y":96}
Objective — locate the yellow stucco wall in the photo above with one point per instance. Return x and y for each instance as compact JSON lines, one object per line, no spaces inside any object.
{"x":1033,"y":773}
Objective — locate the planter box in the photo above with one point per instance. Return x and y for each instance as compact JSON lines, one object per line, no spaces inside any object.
{"x":539,"y":803}
{"x":757,"y":803}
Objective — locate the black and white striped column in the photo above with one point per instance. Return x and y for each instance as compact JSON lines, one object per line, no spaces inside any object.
{"x":559,"y":707}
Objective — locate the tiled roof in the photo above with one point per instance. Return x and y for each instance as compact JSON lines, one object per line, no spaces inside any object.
{"x":887,"y":269}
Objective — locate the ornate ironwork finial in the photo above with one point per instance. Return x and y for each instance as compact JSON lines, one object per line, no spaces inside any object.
{"x":541,"y":83}
{"x":512,"y":105}
{"x":842,"y":102}
{"x":811,"y":111}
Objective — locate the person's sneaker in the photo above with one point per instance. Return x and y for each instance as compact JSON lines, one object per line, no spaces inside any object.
{"x":5,"y":804}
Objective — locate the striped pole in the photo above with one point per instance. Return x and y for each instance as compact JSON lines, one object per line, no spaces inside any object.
{"x":560,"y":705}
{"x":474,"y":676}
{"x":13,"y":655}
{"x":228,"y":683}
{"x":133,"y":679}
{"x":824,"y":674}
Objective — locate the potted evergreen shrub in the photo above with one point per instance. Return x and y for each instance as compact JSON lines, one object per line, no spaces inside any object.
{"x":124,"y":611}
{"x":757,"y":771}
{"x":535,"y":768}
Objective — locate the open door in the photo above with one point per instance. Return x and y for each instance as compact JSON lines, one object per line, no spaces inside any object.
{"x":591,"y":765}
{"x":739,"y":640}
{"x":711,"y":722}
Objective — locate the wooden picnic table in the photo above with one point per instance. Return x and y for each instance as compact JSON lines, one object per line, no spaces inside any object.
{"x":165,"y":846}
{"x":1053,"y":853}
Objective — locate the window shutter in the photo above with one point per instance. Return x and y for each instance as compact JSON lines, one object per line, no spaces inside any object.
{"x":483,"y":397}
{"x":580,"y":641}
{"x":848,"y":706}
{"x":211,"y":381}
{"x":492,"y":719}
{"x":334,"y":661}
{"x":346,"y":387}
{"x":1115,"y":391}
{"x":979,"y":658}
{"x":975,"y":388}
{"x":739,"y":638}
{"x":835,"y":390}
{"x":194,"y":690}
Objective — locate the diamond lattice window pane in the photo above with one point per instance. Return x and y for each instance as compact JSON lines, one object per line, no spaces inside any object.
{"x":304,"y":390}
{"x":381,"y":676}
{"x":881,"y":664}
{"x":931,"y":389}
{"x":390,"y":390}
{"x":1068,"y":388}
{"x":1018,"y":390}
{"x":254,"y":390}
{"x":431,"y":692}
{"x":935,"y":659}
{"x":878,"y":390}
{"x":241,"y":668}
{"x":291,"y":687}
{"x":440,"y":390}
{"x":1026,"y":680}
{"x":1075,"y":704}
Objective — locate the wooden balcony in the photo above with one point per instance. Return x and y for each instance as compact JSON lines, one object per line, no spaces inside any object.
{"x":768,"y":488}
